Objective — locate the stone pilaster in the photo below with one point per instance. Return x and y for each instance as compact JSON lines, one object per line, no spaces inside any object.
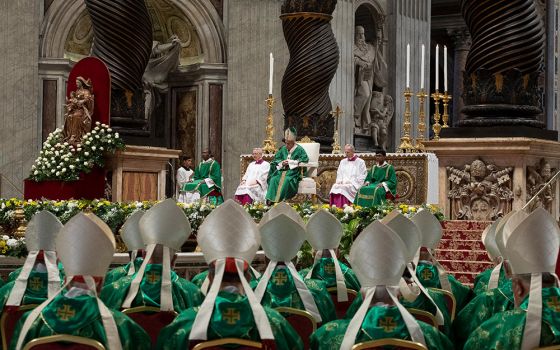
{"x":462,"y":44}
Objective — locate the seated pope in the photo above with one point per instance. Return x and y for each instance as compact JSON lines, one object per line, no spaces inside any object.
{"x":253,"y":184}
{"x":380,"y":183}
{"x":350,"y":177}
{"x":206,"y":182}
{"x":378,"y":256}
{"x":85,"y":245}
{"x":285,"y":171}
{"x":229,"y":239}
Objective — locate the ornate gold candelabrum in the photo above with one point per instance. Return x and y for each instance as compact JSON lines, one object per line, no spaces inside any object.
{"x":437,"y":126}
{"x":269,"y":145}
{"x":19,"y":215}
{"x":445,"y":97}
{"x":421,"y":121}
{"x":336,"y":138}
{"x":406,"y":145}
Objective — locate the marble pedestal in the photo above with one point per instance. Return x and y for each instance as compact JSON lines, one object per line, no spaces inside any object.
{"x":483,"y":178}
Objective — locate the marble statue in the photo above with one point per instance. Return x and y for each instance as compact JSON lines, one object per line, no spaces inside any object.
{"x":381,"y":111}
{"x":537,"y":177}
{"x":79,"y":111}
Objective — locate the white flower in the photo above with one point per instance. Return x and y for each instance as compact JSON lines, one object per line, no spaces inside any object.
{"x":63,"y":170}
{"x":86,"y":163}
{"x":79,"y":145}
{"x":4,"y":237}
{"x":93,"y":148}
{"x":102,"y":131}
{"x":117,"y":135}
{"x":57,"y":173}
{"x":109,"y":130}
{"x":87,"y":142}
{"x":36,"y":172}
{"x":56,"y":153}
{"x":12,"y":242}
{"x":93,"y":132}
{"x":97,"y":123}
{"x":97,"y":137}
{"x":79,"y":149}
{"x":104,"y":125}
{"x":101,"y":148}
{"x":71,"y":167}
{"x":348,"y":209}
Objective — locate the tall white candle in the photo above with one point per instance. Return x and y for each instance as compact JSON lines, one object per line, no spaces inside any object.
{"x":437,"y":67}
{"x":408,"y":65}
{"x":422,"y":68}
{"x":445,"y":67}
{"x":271,"y":73}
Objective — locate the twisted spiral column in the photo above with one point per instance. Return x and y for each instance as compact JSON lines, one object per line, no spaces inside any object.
{"x":122,"y":39}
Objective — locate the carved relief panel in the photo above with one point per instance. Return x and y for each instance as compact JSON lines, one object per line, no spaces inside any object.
{"x":537,"y":177}
{"x":479,"y":191}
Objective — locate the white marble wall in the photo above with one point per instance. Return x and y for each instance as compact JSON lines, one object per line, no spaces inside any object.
{"x":19,"y":86}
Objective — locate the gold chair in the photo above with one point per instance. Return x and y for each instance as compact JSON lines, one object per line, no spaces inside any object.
{"x":50,"y":343}
{"x":450,"y":301}
{"x":308,"y":185}
{"x":423,"y":316}
{"x":151,"y":319}
{"x":9,"y":320}
{"x":244,"y":344}
{"x":302,"y":321}
{"x":551,"y":347}
{"x":342,"y":307}
{"x":396,"y":344}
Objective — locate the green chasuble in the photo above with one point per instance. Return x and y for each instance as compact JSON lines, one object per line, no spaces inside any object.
{"x":185,"y":294}
{"x":232,"y":317}
{"x":482,"y":279}
{"x":281,"y":291}
{"x":283,"y":184}
{"x":14,"y":274}
{"x":121,"y":271}
{"x":36,"y":291}
{"x":479,"y":310}
{"x":505,"y":329}
{"x":428,"y":276}
{"x":324,"y":270}
{"x":371,"y":195}
{"x":199,"y":278}
{"x":80,"y":316}
{"x":380,"y":322}
{"x":206,"y":169}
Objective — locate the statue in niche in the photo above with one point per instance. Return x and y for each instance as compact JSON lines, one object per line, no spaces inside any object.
{"x":382,"y":111}
{"x":480,"y":191}
{"x":537,"y":177}
{"x":79,"y":110}
{"x":370,"y":72}
{"x":163,"y":60}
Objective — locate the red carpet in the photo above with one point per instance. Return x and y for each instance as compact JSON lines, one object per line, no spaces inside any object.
{"x":461,"y":251}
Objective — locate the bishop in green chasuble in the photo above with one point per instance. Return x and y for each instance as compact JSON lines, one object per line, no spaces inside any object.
{"x":380,"y":180}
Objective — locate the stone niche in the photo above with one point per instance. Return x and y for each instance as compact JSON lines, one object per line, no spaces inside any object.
{"x":485,"y":178}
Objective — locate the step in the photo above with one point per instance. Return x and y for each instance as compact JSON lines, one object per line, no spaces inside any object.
{"x":465,"y":225}
{"x":464,"y":266}
{"x":462,"y":235}
{"x":470,"y":244}
{"x":462,"y":255}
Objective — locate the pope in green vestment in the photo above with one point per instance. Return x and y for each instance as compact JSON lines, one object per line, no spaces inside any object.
{"x":429,"y":277}
{"x":324,"y":270}
{"x":80,"y":316}
{"x":35,"y":292}
{"x":232,"y":317}
{"x":479,"y":310}
{"x":505,"y":329}
{"x":207,"y":179}
{"x":281,"y":292}
{"x":184,"y":293}
{"x":121,"y":271}
{"x":285,"y":174}
{"x":380,"y":322}
{"x":380,"y":180}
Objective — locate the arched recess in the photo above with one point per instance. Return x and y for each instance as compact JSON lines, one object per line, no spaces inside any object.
{"x":62,"y":14}
{"x":377,"y":11}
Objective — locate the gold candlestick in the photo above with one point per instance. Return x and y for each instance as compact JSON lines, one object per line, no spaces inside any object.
{"x":269,"y":145}
{"x":445,"y":97}
{"x":437,"y":126}
{"x":336,"y":115}
{"x":421,"y":121}
{"x":405,"y":145}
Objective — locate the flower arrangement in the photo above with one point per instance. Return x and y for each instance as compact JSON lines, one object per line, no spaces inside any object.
{"x":12,"y":246}
{"x":59,"y":160}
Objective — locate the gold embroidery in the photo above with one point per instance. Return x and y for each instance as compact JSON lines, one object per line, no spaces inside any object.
{"x":427,"y":275}
{"x":35,"y":283}
{"x":554,"y":303}
{"x":232,"y":316}
{"x":152,"y":277}
{"x":329,"y":268}
{"x":66,"y":312}
{"x":280,"y":278}
{"x":387,"y":324}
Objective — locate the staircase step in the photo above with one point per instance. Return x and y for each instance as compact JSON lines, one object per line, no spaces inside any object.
{"x":462,"y":235}
{"x":471,"y":244}
{"x":463,"y":266}
{"x":462,"y":255}
{"x":465,"y":225}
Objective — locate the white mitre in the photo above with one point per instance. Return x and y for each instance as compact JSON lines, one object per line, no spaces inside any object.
{"x":167,"y":225}
{"x":282,"y":208}
{"x":85,"y":246}
{"x":324,"y":231}
{"x":130,"y":234}
{"x":228,"y":232}
{"x":532,"y":248}
{"x":281,"y":239}
{"x":40,"y":235}
{"x":498,"y":236}
{"x":411,"y":236}
{"x":378,"y":257}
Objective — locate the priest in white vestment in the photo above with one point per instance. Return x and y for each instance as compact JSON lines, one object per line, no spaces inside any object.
{"x":350,"y":176}
{"x":253,"y":185}
{"x":184,"y":175}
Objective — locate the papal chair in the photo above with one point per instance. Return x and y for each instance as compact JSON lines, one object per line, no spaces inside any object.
{"x":151,"y":319}
{"x":450,"y":301}
{"x":424,"y":316}
{"x":63,"y":342}
{"x":308,"y":185}
{"x":342,"y":306}
{"x":227,"y":343}
{"x":389,"y":343}
{"x":301,"y":320}
{"x":9,"y":320}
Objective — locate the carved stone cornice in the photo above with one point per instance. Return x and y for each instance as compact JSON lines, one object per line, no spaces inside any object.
{"x":461,"y":38}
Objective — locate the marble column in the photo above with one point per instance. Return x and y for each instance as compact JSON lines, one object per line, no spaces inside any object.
{"x":462,"y":43}
{"x":409,"y":23}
